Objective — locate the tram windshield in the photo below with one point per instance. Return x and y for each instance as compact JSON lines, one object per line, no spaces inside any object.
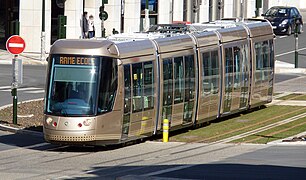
{"x":74,"y":85}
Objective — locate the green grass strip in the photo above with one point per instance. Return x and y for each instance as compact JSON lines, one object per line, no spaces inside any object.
{"x":289,"y":97}
{"x":269,"y":135}
{"x":300,"y":98}
{"x":237,"y":125}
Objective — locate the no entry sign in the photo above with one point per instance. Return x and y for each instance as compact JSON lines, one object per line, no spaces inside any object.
{"x":15,"y":44}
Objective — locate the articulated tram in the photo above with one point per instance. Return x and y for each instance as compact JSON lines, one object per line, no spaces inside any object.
{"x":103,"y":92}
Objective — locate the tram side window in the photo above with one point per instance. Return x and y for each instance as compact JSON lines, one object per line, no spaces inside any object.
{"x":262,"y":59}
{"x":229,"y":60}
{"x":148,"y":85}
{"x":215,"y":71}
{"x":143,"y":86}
{"x":258,"y":56}
{"x":237,"y":59}
{"x":108,"y":86}
{"x":168,"y":80}
{"x":189,"y":78}
{"x":259,"y":63}
{"x":207,"y":72}
{"x":127,"y":88}
{"x":265,"y":53}
{"x":266,"y":59}
{"x":210,"y":72}
{"x":137,"y":87}
{"x":271,"y":54}
{"x":179,"y":80}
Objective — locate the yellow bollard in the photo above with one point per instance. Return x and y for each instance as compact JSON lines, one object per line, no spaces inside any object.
{"x":165,"y":130}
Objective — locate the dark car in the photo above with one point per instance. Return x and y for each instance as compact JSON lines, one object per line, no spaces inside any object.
{"x":284,"y":20}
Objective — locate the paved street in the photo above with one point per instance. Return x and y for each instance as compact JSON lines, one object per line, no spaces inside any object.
{"x":150,"y":160}
{"x":25,"y":156}
{"x":33,"y":86}
{"x":28,"y":156}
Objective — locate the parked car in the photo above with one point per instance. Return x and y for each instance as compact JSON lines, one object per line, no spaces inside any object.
{"x":284,"y":20}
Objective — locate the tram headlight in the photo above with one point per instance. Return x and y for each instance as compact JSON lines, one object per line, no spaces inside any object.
{"x":49,"y":120}
{"x":87,"y":122}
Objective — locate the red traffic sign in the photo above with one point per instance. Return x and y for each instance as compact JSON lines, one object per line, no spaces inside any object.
{"x":15,"y":44}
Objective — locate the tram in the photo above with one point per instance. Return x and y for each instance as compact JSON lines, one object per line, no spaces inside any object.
{"x":101,"y":92}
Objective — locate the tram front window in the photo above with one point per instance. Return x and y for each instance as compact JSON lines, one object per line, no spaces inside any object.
{"x":73,"y":86}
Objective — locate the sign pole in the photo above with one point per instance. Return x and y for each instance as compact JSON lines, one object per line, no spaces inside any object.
{"x":15,"y":45}
{"x":296,"y":54}
{"x":14,"y":90}
{"x":15,"y":100}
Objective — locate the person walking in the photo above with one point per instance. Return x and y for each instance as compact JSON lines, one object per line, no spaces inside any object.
{"x":91,"y":27}
{"x":85,"y":25}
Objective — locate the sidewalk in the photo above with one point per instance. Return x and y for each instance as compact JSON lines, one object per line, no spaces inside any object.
{"x":27,"y":58}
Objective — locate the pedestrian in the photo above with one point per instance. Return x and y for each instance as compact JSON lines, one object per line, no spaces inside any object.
{"x":91,"y":27}
{"x":85,"y":25}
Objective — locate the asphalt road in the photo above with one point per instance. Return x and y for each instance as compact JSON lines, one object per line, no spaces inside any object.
{"x":24,"y":156}
{"x":34,"y":78}
{"x":285,"y":49}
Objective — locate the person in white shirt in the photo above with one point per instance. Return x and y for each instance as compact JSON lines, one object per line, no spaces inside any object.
{"x":91,"y":27}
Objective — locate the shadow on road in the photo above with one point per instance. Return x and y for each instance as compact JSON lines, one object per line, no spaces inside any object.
{"x":25,"y":141}
{"x":202,"y":171}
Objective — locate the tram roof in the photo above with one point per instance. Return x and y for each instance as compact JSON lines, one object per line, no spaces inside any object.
{"x":84,"y":47}
{"x":206,"y":34}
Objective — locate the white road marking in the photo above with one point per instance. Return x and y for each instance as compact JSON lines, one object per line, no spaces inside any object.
{"x":27,"y":90}
{"x":4,"y":87}
{"x":289,"y":52}
{"x":23,"y":89}
{"x":35,"y":92}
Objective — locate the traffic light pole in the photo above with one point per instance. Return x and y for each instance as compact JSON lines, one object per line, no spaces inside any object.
{"x":43,"y":34}
{"x":296,"y":54}
{"x":102,"y":21}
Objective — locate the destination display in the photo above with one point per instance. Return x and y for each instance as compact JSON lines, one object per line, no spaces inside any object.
{"x":76,"y":60}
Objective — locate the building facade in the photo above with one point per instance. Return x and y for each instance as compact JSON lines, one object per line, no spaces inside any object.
{"x":122,"y":16}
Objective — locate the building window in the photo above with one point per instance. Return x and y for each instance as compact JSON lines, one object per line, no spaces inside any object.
{"x":153,"y":11}
{"x":152,"y":6}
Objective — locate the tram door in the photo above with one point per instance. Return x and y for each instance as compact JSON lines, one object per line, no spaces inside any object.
{"x":228,"y":80}
{"x":178,"y":89}
{"x":189,"y":89}
{"x":167,"y":89}
{"x":179,"y":86}
{"x":271,"y":70}
{"x":139,"y":99}
{"x":127,"y":101}
{"x":209,"y":89}
{"x":237,"y":78}
{"x":245,"y":78}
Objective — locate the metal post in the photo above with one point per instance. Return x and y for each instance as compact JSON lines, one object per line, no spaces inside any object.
{"x":14,"y":89}
{"x":102,"y":21}
{"x":15,"y":100}
{"x":43,"y":34}
{"x":296,"y":55}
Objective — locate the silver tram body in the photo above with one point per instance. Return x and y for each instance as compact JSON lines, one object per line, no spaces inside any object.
{"x":102,"y":92}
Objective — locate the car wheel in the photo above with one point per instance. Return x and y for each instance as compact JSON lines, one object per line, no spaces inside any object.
{"x":300,"y":28}
{"x":289,"y":30}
